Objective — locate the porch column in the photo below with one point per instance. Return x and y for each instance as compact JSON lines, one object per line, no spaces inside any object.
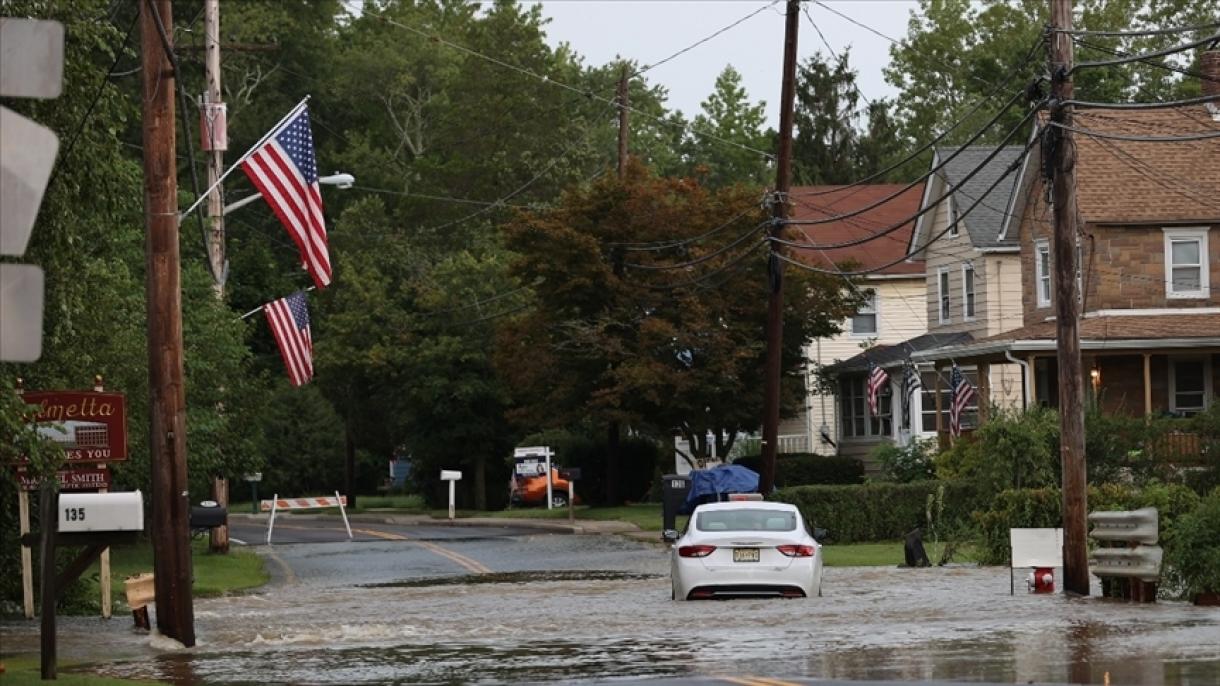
{"x":1148,"y":387}
{"x":984,"y":392}
{"x":1033,"y":382}
{"x":940,"y":429}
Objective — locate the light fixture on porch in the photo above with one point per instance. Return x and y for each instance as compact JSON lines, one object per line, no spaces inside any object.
{"x":1095,"y":376}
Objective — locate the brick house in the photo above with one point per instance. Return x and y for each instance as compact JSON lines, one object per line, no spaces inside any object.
{"x":1149,"y":265}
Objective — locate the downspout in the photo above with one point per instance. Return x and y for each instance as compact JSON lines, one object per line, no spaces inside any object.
{"x":1025,"y":372}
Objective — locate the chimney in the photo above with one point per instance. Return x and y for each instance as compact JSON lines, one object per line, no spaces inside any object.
{"x":1209,"y":64}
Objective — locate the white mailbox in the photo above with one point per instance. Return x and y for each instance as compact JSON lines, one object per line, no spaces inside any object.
{"x":450,"y":475}
{"x":88,"y":512}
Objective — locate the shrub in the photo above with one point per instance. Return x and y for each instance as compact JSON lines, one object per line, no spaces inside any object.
{"x":913,"y":462}
{"x":800,"y":469}
{"x":1042,"y":507}
{"x":1012,"y":450}
{"x":879,"y":511}
{"x":1192,"y":556}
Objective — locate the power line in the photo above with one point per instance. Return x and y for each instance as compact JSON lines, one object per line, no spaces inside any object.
{"x":1135,"y":138}
{"x":703,"y":40}
{"x":654,"y":246}
{"x":1161,"y":65}
{"x":1141,"y":32}
{"x":975,"y":107}
{"x":703,"y":258}
{"x":1143,"y":105}
{"x":1144,"y":57}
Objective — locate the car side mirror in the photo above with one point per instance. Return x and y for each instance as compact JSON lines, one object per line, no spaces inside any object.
{"x":669,"y":535}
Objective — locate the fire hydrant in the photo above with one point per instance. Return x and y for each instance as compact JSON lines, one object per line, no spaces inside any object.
{"x":1042,"y":580}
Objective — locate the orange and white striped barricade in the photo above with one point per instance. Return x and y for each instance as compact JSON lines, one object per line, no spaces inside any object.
{"x":277,"y":503}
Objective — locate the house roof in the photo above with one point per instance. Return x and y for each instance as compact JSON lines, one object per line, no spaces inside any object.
{"x":820,"y":202}
{"x":1124,"y":182}
{"x":1105,"y":332}
{"x":896,"y":354}
{"x":985,"y":223}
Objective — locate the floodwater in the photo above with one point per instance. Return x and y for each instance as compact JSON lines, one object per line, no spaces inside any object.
{"x":572,"y":625}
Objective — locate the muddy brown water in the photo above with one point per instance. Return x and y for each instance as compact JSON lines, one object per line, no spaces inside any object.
{"x":873,"y":623}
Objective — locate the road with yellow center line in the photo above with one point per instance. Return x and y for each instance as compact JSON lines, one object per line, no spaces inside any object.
{"x":473,"y":566}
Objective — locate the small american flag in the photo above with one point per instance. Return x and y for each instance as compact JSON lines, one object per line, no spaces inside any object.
{"x":285,"y":172}
{"x":289,"y":320}
{"x":962,"y":394}
{"x":877,"y":379}
{"x":910,"y":384}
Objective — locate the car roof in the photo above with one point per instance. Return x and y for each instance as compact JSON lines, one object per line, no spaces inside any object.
{"x":747,"y":505}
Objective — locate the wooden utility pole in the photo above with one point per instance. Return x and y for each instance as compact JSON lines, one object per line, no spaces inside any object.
{"x":215,"y":142}
{"x":623,"y":131}
{"x":618,"y":257}
{"x":775,"y":267}
{"x":167,"y":396}
{"x":1071,"y":377}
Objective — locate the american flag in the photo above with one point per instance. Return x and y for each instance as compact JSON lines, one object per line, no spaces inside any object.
{"x":285,"y":172}
{"x":877,"y":379}
{"x":289,"y":320}
{"x":910,"y":384}
{"x":962,"y":393}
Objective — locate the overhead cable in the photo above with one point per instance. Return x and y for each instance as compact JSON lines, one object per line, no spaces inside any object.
{"x":1143,"y":105}
{"x":702,"y":258}
{"x":1140,"y":32}
{"x":1144,"y":57}
{"x":1136,"y":138}
{"x":978,"y":104}
{"x":654,"y":246}
{"x":703,"y":40}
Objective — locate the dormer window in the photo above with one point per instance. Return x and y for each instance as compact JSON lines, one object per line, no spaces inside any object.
{"x":1186,"y":267}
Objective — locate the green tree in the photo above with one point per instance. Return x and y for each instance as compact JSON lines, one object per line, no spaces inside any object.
{"x":729,"y":115}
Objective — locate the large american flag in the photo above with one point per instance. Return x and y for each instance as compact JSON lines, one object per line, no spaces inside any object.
{"x":962,"y":394}
{"x":285,"y":172}
{"x":877,"y":379}
{"x":289,"y":320}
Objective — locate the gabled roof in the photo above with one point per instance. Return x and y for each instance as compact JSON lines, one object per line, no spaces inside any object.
{"x":1127,"y":182}
{"x":819,"y":202}
{"x":985,"y":223}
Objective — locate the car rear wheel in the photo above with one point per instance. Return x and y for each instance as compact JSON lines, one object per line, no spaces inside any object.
{"x":559,"y":499}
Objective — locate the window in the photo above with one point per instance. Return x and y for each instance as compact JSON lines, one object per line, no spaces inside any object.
{"x":1189,"y":381}
{"x":865,"y":320}
{"x":942,"y":294}
{"x":857,"y":421}
{"x":953,"y":225}
{"x":927,"y":396}
{"x":1186,"y":263}
{"x":968,"y":290}
{"x":1042,"y":269}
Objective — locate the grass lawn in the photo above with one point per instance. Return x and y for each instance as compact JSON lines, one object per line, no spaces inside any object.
{"x":25,"y":669}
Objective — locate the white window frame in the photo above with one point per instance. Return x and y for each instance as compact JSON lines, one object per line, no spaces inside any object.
{"x":875,"y":310}
{"x":969,"y":297}
{"x":1042,"y":262}
{"x":944,"y":309}
{"x":954,"y":226}
{"x":1173,"y":382}
{"x":1183,"y":235}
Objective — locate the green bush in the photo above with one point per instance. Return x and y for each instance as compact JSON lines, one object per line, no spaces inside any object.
{"x":1042,"y":507}
{"x":913,"y":462}
{"x":1011,"y":450}
{"x":800,"y":469}
{"x":1192,"y":556}
{"x":880,"y":511}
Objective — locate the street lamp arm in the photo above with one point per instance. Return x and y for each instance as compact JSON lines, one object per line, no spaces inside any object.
{"x":340,"y":180}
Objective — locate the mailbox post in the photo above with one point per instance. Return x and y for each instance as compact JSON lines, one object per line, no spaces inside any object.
{"x":452,"y":476}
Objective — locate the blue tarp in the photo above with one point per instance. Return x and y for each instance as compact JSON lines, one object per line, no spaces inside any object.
{"x":706,"y":485}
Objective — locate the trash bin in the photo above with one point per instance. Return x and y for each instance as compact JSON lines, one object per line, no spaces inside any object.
{"x":674,"y":488}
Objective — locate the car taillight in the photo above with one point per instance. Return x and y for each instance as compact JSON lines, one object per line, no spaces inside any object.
{"x":796,"y":550}
{"x":695,"y":550}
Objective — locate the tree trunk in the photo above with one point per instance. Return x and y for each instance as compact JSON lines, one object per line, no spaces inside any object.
{"x":349,"y":473}
{"x":480,"y":483}
{"x":612,"y":465}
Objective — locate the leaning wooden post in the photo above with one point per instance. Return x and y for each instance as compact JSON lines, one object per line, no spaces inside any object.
{"x":48,"y":505}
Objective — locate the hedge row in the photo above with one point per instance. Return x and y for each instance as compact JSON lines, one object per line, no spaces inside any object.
{"x":879,"y":511}
{"x":1042,"y":507}
{"x":799,"y":469}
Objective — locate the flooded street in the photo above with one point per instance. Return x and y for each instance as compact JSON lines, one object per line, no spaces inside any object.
{"x":572,"y":608}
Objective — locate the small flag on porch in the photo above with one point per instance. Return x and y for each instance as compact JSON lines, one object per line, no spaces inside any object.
{"x":877,"y":379}
{"x":910,"y":385}
{"x":285,"y":172}
{"x":962,"y":394}
{"x":289,"y":320}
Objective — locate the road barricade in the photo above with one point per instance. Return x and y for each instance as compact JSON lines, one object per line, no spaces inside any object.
{"x":277,"y":503}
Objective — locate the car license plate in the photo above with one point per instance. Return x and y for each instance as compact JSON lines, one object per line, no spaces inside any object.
{"x":745,"y":554}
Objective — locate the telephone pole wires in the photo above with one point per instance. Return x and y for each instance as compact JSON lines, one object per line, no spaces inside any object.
{"x":775,"y":267}
{"x":167,"y":396}
{"x":1071,"y":379}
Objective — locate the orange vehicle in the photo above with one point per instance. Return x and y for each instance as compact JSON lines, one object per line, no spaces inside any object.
{"x":531,"y":490}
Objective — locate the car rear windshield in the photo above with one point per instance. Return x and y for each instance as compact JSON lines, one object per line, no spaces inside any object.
{"x":745,"y":520}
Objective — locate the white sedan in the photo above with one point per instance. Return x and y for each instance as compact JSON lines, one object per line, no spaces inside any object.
{"x":745,"y":548}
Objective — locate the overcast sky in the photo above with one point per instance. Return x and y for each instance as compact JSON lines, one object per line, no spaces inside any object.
{"x":650,"y":30}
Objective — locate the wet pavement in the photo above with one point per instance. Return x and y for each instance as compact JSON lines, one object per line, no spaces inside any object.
{"x":590,"y":608}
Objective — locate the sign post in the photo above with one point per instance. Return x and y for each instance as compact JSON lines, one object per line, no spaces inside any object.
{"x":533,"y":454}
{"x":452,"y":477}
